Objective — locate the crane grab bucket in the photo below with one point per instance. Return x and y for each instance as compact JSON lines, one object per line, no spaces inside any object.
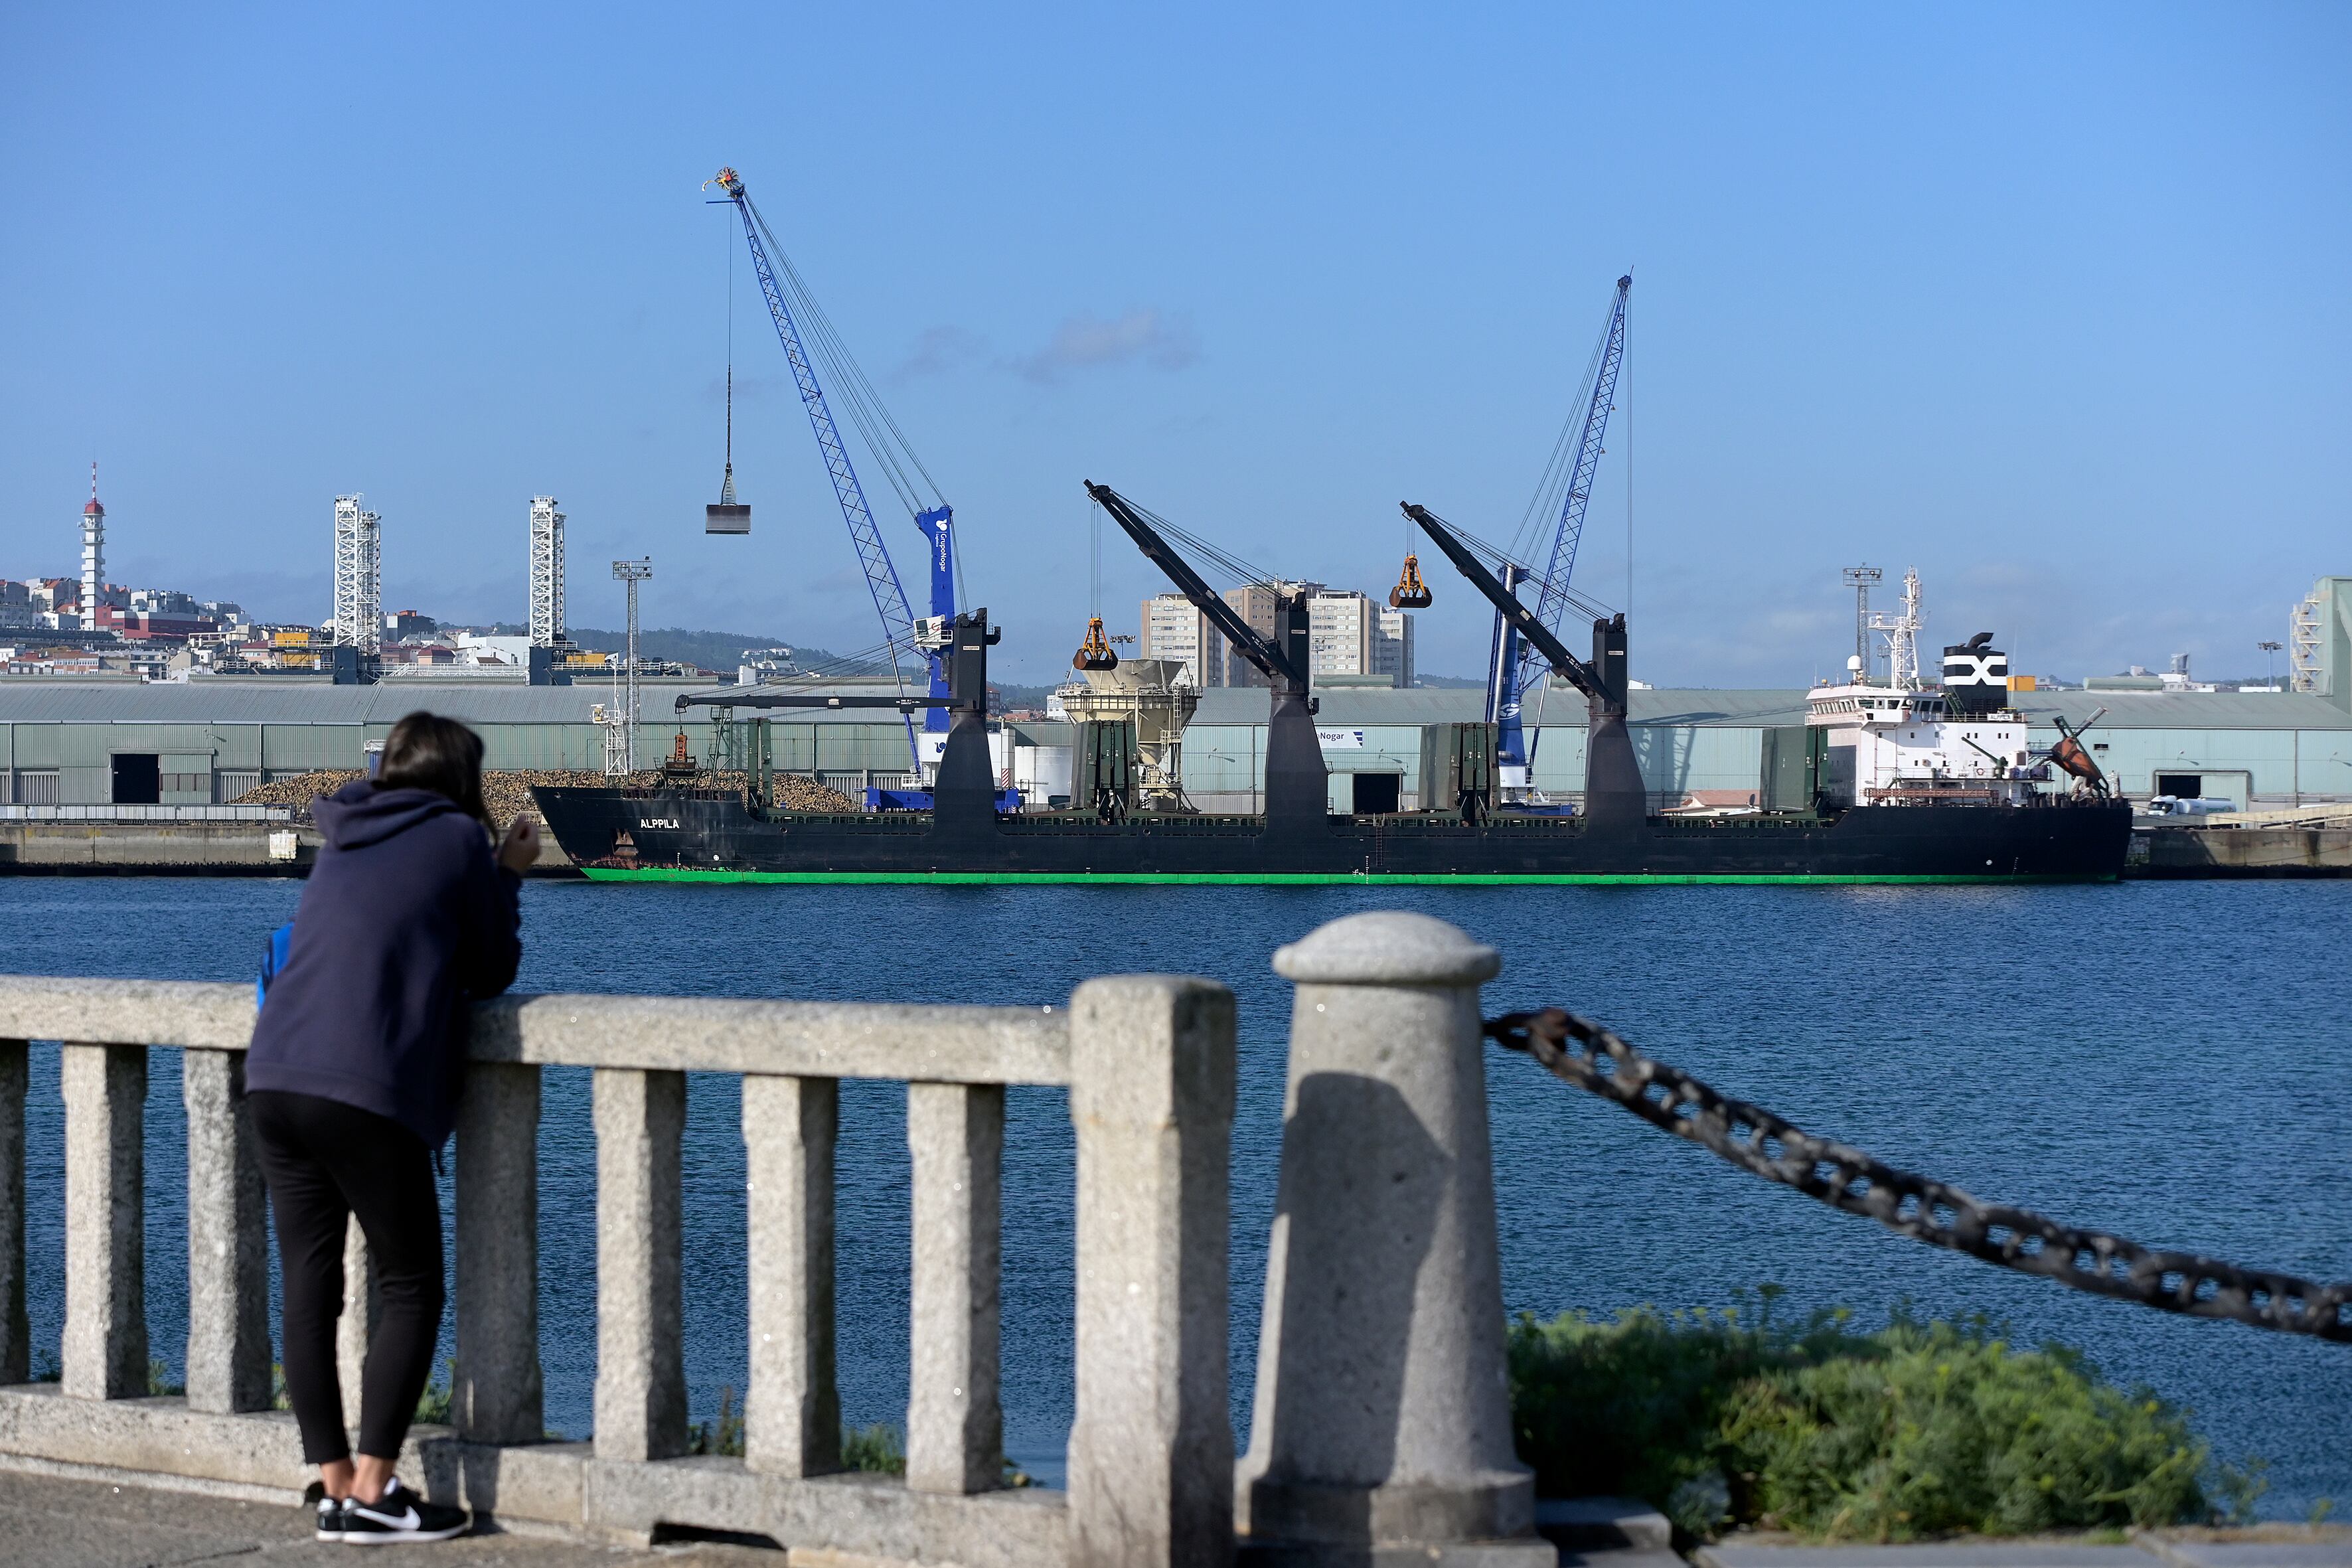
{"x":1095,"y":652}
{"x":1410,"y":593}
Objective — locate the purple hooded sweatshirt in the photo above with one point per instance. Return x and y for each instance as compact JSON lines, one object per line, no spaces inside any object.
{"x":407,"y":916}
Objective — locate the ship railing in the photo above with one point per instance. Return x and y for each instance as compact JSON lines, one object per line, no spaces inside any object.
{"x":1149,"y":1063}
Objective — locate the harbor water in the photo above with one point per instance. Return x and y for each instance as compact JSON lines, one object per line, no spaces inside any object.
{"x":2165,"y":1060}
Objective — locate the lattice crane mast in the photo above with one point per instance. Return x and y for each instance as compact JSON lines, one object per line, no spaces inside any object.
{"x":1513,"y":661}
{"x":937,"y":520}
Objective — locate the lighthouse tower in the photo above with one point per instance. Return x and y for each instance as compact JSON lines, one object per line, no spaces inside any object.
{"x":93,"y":555}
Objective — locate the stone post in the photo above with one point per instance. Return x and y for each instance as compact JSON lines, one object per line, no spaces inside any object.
{"x":356,"y":1327}
{"x":955,"y":1428}
{"x":496,"y":1394}
{"x":106,"y":1309}
{"x":229,"y":1240}
{"x":640,"y":1409}
{"x":1151,"y":1449}
{"x":792,"y":1412}
{"x":1382,"y":1412}
{"x":15,"y":1351}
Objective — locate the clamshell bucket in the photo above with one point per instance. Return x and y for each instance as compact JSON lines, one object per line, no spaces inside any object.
{"x":1410,"y":593}
{"x":1095,"y":652}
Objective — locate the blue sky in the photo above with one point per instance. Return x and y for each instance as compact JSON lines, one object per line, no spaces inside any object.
{"x":2050,"y":302}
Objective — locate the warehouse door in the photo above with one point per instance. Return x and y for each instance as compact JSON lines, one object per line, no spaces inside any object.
{"x":137,"y":779}
{"x":1376,"y":793}
{"x":2182,"y":786}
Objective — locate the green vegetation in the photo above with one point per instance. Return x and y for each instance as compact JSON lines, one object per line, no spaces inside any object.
{"x":1918,"y":1429}
{"x":433,"y":1405}
{"x":874,"y":1448}
{"x":723,"y":1435}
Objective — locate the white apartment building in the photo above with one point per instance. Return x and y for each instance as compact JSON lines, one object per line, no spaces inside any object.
{"x":1254,"y":604}
{"x":1173,"y":629}
{"x":1350,"y":632}
{"x":1392,"y":648}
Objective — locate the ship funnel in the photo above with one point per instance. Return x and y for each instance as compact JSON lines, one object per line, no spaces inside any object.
{"x":1976,"y":676}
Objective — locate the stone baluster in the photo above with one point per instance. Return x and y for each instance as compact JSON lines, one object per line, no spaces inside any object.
{"x":106,"y":1314}
{"x":229,"y":1240}
{"x":498,"y":1395}
{"x":955,"y":1427}
{"x":15,"y":1352}
{"x":640,"y":1408}
{"x":792,"y":1412}
{"x":1151,"y":1449}
{"x":363,"y":1308}
{"x":1382,"y":1410}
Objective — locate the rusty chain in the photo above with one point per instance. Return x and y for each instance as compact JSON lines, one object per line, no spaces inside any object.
{"x":1580,"y":1052}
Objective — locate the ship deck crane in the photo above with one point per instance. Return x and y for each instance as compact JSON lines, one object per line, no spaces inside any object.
{"x":1298,"y":785}
{"x":884,"y":438}
{"x":1614,"y":790}
{"x":1512,"y":660}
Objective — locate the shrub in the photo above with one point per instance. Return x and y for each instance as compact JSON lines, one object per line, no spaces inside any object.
{"x":432,"y":1405}
{"x":1920,"y":1428}
{"x":874,"y":1448}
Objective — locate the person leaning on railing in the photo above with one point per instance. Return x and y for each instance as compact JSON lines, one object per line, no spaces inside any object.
{"x":352,"y":1081}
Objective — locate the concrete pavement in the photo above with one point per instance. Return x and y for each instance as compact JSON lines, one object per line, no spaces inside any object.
{"x":49,"y":1523}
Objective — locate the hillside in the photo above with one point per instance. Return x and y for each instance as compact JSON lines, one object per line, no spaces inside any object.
{"x":711,"y":651}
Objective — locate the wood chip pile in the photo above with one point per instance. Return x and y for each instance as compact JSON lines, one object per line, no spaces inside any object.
{"x":507,"y":793}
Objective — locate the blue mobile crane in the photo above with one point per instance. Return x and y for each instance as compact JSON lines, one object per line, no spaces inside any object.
{"x":883,"y":438}
{"x":1512,"y":664}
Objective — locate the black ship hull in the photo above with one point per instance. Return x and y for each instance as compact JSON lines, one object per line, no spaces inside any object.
{"x":686,"y":835}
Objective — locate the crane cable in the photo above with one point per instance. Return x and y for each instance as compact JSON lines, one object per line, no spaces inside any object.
{"x":727,"y":488}
{"x":883,"y":437}
{"x":875,"y":425}
{"x":1550,"y":495}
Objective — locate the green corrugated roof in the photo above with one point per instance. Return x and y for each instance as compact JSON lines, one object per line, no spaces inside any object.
{"x":66,"y":699}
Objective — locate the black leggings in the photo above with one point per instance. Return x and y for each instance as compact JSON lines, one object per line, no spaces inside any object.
{"x":324,"y":1161}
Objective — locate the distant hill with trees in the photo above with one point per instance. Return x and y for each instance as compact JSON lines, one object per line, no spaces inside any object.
{"x":712,"y":650}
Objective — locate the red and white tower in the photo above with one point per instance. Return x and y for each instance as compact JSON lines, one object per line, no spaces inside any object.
{"x":93,"y":555}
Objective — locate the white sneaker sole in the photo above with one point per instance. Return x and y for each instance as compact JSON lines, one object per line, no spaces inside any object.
{"x":403,"y":1537}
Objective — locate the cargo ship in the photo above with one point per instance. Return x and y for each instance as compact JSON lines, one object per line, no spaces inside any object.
{"x":1899,"y":784}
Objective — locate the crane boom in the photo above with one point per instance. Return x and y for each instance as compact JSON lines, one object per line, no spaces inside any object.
{"x":1297,"y":783}
{"x":1553,"y":598}
{"x":1614,"y":795}
{"x":1271,"y":660}
{"x":1540,"y":638}
{"x":1510,"y":676}
{"x":865,"y":536}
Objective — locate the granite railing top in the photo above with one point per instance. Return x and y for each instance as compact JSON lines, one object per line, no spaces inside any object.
{"x":931,"y":1044}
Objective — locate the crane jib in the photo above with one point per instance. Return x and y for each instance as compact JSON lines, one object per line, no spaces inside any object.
{"x":864,"y":536}
{"x":1553,"y":597}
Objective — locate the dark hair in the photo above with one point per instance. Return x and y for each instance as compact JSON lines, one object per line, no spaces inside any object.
{"x":425,"y":751}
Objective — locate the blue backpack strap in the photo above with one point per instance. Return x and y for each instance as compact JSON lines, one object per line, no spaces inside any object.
{"x":273,"y":959}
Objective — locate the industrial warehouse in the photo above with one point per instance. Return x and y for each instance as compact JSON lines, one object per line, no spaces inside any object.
{"x":97,"y":742}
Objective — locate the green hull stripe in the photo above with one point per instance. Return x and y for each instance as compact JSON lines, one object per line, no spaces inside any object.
{"x":1288,"y":878}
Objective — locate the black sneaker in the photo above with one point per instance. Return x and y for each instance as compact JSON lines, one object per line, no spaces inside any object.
{"x":330,"y":1510}
{"x":399,"y":1515}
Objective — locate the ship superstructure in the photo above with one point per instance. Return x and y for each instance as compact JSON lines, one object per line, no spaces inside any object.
{"x":1903,"y":742}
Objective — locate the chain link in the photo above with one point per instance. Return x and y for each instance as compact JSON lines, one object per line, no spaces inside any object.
{"x":1580,"y":1052}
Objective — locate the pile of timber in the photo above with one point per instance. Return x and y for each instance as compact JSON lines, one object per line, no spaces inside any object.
{"x":507,"y":793}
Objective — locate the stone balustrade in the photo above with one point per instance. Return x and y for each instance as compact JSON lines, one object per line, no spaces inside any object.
{"x":1149,"y":1062}
{"x":1382,"y":1429}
